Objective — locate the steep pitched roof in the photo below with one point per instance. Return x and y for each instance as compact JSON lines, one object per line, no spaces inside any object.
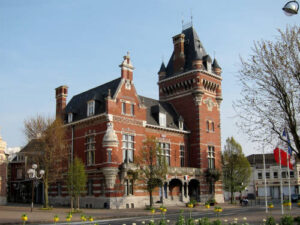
{"x":78,"y":104}
{"x":193,"y":49}
{"x":216,"y":64}
{"x":154,"y":107}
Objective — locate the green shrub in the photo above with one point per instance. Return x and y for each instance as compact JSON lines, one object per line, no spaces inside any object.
{"x":297,"y":220}
{"x":270,"y":221}
{"x":217,"y":222}
{"x":204,"y":221}
{"x":162,"y":222}
{"x":181,"y":220}
{"x":286,"y":220}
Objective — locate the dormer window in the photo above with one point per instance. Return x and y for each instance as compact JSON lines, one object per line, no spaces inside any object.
{"x":90,"y":108}
{"x":70,"y":117}
{"x":181,"y":125}
{"x":162,"y":119}
{"x":209,"y":67}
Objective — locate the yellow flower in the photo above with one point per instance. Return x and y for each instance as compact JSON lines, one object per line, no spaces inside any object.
{"x":68,"y":219}
{"x":190,"y":205}
{"x":91,"y":219}
{"x":164,"y":210}
{"x":152,"y":210}
{"x":55,"y":218}
{"x":24,"y":217}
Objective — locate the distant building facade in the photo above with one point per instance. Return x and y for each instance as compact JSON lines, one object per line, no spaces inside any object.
{"x":3,"y":172}
{"x":108,"y":124}
{"x":272,"y":174}
{"x":18,"y":184}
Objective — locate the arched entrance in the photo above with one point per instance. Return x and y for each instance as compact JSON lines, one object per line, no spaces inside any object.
{"x":194,"y":189}
{"x":175,"y":189}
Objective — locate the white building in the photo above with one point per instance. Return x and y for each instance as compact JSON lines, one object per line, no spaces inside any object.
{"x":272,"y":174}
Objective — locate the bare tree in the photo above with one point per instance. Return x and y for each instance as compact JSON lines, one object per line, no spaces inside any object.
{"x":270,"y":81}
{"x":50,"y":151}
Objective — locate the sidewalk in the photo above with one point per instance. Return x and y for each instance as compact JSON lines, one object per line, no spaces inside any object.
{"x":11,"y":214}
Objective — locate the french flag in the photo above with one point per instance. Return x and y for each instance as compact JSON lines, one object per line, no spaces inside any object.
{"x":285,"y":156}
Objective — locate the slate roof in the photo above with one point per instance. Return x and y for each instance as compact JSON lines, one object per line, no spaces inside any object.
{"x":255,"y":159}
{"x":78,"y":104}
{"x":193,"y":49}
{"x":153,"y":109}
{"x":33,"y":147}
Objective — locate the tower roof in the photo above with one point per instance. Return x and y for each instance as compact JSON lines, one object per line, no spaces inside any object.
{"x":215,"y":64}
{"x":193,"y":49}
{"x":162,"y":68}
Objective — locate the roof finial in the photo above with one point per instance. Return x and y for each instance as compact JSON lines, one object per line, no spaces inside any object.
{"x":182,"y":21}
{"x":162,"y":58}
{"x":191,"y":17}
{"x":214,"y":54}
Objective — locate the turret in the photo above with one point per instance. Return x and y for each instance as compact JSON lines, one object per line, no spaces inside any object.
{"x":61,"y":94}
{"x":162,"y":71}
{"x":216,"y":68}
{"x":127,"y":68}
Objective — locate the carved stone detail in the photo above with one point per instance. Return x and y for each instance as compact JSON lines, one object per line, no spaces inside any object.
{"x":210,"y":104}
{"x":110,"y":174}
{"x":198,"y":97}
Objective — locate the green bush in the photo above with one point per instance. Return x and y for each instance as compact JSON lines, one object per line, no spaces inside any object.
{"x":286,"y":220}
{"x":181,"y":220}
{"x":297,"y":220}
{"x":217,"y":222}
{"x":204,"y":221}
{"x":270,"y":221}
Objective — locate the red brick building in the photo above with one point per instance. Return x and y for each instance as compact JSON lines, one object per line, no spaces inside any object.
{"x":3,"y":172}
{"x":108,"y":124}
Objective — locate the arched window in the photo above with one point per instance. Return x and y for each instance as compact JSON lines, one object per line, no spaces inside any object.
{"x":207,"y":126}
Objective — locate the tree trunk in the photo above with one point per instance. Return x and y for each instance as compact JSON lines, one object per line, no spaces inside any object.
{"x":46,"y":187}
{"x":78,"y":206}
{"x":231,"y":197}
{"x":151,"y":198}
{"x":72,"y":206}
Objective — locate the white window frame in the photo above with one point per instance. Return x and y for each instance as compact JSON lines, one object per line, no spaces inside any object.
{"x":181,"y":155}
{"x":162,"y":119}
{"x":211,"y":157}
{"x":128,"y":147}
{"x":132,"y":109}
{"x":70,"y":117}
{"x":166,"y":152}
{"x":90,"y":150}
{"x":91,"y":108}
{"x":124,"y":108}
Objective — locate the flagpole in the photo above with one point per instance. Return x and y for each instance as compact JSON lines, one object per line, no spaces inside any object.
{"x":281,"y":193}
{"x":288,"y":167}
{"x":266,"y":192}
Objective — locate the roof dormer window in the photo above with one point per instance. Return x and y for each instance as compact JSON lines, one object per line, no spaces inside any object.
{"x":209,"y":67}
{"x":162,"y":119}
{"x":70,"y":117}
{"x":91,"y":108}
{"x":180,"y":125}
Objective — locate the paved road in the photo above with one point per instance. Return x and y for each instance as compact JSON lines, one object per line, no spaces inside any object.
{"x":254,"y":215}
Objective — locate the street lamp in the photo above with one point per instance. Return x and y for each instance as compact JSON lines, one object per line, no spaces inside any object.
{"x":291,"y":8}
{"x":32,"y":174}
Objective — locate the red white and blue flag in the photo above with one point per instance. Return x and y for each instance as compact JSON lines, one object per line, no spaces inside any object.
{"x":283,"y":153}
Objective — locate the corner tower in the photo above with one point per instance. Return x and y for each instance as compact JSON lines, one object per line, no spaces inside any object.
{"x":191,"y":82}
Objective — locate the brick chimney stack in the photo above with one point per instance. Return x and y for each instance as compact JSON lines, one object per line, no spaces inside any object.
{"x":179,"y":58}
{"x":61,"y":94}
{"x":127,"y":68}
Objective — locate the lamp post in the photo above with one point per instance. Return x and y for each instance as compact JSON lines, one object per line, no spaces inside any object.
{"x":32,"y":174}
{"x":291,"y":8}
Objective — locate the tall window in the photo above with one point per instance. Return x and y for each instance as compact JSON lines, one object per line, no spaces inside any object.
{"x":267,"y":175}
{"x":129,"y":187}
{"x":212,"y":126}
{"x":128,"y":148}
{"x":109,"y":155}
{"x":123,"y":108}
{"x":275,"y":175}
{"x":90,"y":187}
{"x":165,"y":152}
{"x":211,"y":157}
{"x":132,"y":109}
{"x":162,"y":119}
{"x":182,"y":155}
{"x":90,"y":150}
{"x":70,"y":117}
{"x":90,"y":108}
{"x":207,"y":126}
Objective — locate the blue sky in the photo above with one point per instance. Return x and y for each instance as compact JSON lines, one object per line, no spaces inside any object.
{"x":80,"y":43}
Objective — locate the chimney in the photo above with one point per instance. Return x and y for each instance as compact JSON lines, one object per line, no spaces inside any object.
{"x":127,"y":68}
{"x":61,"y":94}
{"x":178,"y":58}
